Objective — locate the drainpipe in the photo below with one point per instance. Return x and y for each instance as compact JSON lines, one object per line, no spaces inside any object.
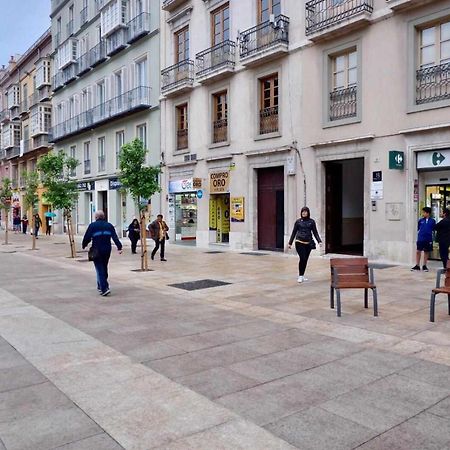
{"x":295,"y":147}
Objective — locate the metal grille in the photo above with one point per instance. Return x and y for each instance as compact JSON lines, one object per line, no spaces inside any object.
{"x":343,"y":103}
{"x":268,"y":120}
{"x":199,"y":284}
{"x":433,"y":84}
{"x":213,"y":58}
{"x":180,"y":73}
{"x":220,"y":131}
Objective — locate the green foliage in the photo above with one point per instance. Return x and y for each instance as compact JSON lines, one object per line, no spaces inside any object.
{"x":31,"y":197}
{"x":5,"y":194}
{"x":60,"y":189}
{"x":140,"y":180}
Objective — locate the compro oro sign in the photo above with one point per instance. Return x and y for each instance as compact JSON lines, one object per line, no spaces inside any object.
{"x":435,"y":159}
{"x":219,"y":182}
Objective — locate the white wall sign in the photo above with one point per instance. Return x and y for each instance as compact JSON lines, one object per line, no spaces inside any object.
{"x":376,"y":190}
{"x":434,"y":159}
{"x":101,"y":185}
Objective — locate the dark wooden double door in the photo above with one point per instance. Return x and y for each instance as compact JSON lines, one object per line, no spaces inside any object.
{"x":271,"y":208}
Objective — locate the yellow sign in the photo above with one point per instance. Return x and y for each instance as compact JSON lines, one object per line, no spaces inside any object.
{"x":219,"y":182}
{"x":225,"y":206}
{"x":212,"y":213}
{"x":237,"y":209}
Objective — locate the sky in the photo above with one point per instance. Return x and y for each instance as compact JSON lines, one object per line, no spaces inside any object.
{"x":22,"y":22}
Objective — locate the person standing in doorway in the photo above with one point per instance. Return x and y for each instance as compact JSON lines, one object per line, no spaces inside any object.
{"x":425,"y":228}
{"x":37,"y":224}
{"x":24,"y":224}
{"x":134,"y":233}
{"x":443,"y":236}
{"x":100,"y":233}
{"x":302,"y":233}
{"x":158,"y":232}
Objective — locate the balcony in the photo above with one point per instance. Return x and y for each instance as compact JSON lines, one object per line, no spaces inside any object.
{"x":182,"y":139}
{"x":268,"y":120}
{"x":69,"y":73}
{"x":40,"y":141}
{"x":84,"y":16}
{"x":26,"y":146}
{"x":12,"y":152}
{"x":5,"y":116}
{"x":2,"y":154}
{"x":45,"y":94}
{"x":138,"y":27}
{"x":116,"y":41}
{"x":433,"y":84}
{"x":135,"y":100}
{"x":178,"y":78}
{"x":343,"y":103}
{"x":25,"y":107}
{"x":69,"y":27}
{"x":57,"y":81}
{"x":402,"y":5}
{"x":326,"y":20}
{"x":83,"y":64}
{"x":15,"y":112}
{"x":216,"y":62}
{"x":171,"y":5}
{"x":97,"y":54}
{"x":220,"y":131}
{"x":264,"y":42}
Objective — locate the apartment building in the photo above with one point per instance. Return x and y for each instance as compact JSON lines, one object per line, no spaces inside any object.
{"x":106,"y":93}
{"x":341,"y":105}
{"x":25,"y":118}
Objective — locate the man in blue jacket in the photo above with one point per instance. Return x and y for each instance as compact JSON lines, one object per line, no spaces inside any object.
{"x":100,"y":233}
{"x":425,"y":228}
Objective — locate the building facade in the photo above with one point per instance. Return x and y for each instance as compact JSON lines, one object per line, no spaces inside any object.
{"x":106,"y":93}
{"x":25,"y":119}
{"x":341,"y":105}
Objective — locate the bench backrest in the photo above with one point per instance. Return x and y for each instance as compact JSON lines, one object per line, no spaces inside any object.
{"x":447,"y":275}
{"x":350,"y":270}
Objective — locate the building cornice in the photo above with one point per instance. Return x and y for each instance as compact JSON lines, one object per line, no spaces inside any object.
{"x":439,"y":126}
{"x":367,"y":137}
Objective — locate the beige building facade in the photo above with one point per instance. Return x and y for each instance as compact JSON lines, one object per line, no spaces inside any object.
{"x":342,"y":106}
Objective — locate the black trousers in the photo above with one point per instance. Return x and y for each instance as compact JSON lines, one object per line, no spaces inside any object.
{"x":134,"y":245}
{"x":303,"y":251}
{"x":443,"y":252}
{"x":159,"y":243}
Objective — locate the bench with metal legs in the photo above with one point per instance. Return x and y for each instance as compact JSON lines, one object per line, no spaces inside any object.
{"x":440,"y":290}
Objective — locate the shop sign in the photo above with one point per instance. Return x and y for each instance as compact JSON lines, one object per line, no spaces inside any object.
{"x":212,"y":213}
{"x":114,"y":184}
{"x":219,"y":182}
{"x":101,"y":185}
{"x":237,"y":209}
{"x":85,"y":186}
{"x":433,"y":159}
{"x":396,"y":160}
{"x":186,"y":185}
{"x":199,"y":193}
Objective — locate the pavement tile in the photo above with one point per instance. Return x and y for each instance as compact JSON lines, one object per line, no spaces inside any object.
{"x":424,"y":431}
{"x":98,"y":442}
{"x":442,"y":408}
{"x":19,"y":377}
{"x":316,"y":429}
{"x":387,"y":402}
{"x":428,"y":372}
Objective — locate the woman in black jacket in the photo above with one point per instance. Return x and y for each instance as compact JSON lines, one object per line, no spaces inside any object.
{"x":134,"y":233}
{"x":443,"y":236}
{"x":304,"y":229}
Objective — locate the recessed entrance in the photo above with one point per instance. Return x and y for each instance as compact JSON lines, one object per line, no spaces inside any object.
{"x":103,"y":202}
{"x":345,"y":206}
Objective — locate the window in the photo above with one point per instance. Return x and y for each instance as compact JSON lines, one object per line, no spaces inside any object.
{"x":113,"y":16}
{"x":268,"y":115}
{"x":141,"y":73}
{"x":141,"y":134}
{"x":87,"y":157}
{"x":41,"y":119}
{"x":70,"y":22}
{"x":268,"y":7}
{"x":182,"y":45}
{"x":73,"y":154}
{"x":42,"y":73}
{"x":435,"y":45}
{"x":220,"y":24}
{"x":25,"y":96}
{"x":13,"y":96}
{"x":220,"y":117}
{"x":101,"y":155}
{"x":120,"y":141}
{"x":182,"y":126}
{"x":67,"y":53}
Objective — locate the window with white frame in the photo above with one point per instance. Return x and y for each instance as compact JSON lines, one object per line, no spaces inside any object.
{"x":42,"y":73}
{"x":67,"y":53}
{"x":87,"y":157}
{"x":141,"y":73}
{"x":13,"y":96}
{"x":11,"y":135}
{"x":101,"y":155}
{"x":73,"y":155}
{"x":113,"y":16}
{"x":435,"y":44}
{"x":41,"y":119}
{"x":141,"y":134}
{"x":120,"y":141}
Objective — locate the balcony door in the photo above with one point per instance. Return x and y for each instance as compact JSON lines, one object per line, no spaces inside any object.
{"x":268,"y":7}
{"x":118,"y":89}
{"x":220,"y":25}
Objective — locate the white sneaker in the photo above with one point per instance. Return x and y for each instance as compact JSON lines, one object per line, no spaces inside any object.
{"x":300,"y":279}
{"x":305,"y":279}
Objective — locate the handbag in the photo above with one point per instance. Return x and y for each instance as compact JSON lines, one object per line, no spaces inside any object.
{"x":93,"y":254}
{"x":167,"y":236}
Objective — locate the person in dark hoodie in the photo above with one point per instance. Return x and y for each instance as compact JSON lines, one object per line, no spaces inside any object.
{"x":304,"y":229}
{"x":100,"y":233}
{"x":443,"y":236}
{"x":134,"y":233}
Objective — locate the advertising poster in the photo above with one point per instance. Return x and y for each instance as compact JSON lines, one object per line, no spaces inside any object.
{"x":237,"y":209}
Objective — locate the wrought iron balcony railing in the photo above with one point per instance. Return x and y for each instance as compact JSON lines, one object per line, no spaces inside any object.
{"x":138,"y":27}
{"x":40,"y":141}
{"x":116,"y":41}
{"x":97,"y":54}
{"x":5,"y":115}
{"x":13,"y":152}
{"x":182,"y":139}
{"x":343,"y":103}
{"x":216,"y":57}
{"x":2,"y":154}
{"x":180,"y":73}
{"x":84,"y":16}
{"x":25,"y":106}
{"x":83,"y":64}
{"x":69,"y":28}
{"x":268,"y":120}
{"x":57,"y":38}
{"x":220,"y":131}
{"x":27,"y":147}
{"x":322,"y":14}
{"x":57,"y":81}
{"x":70,"y":73}
{"x":265,"y":35}
{"x":101,"y":163}
{"x":134,"y":100}
{"x":433,"y":84}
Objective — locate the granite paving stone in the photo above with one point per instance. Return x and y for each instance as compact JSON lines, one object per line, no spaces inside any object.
{"x":442,"y":408}
{"x":98,"y":442}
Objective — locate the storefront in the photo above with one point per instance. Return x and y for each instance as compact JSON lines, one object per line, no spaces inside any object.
{"x":183,"y":208}
{"x":219,"y":207}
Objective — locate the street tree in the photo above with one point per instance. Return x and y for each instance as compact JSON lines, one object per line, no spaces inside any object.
{"x":60,"y":188}
{"x":31,"y":198}
{"x":5,"y":203}
{"x":142,"y":182}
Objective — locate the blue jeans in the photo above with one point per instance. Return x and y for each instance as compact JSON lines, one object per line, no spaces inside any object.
{"x":101,"y":267}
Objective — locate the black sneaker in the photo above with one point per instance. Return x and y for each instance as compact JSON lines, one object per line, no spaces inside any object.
{"x":163,"y":259}
{"x":153,"y":257}
{"x":416,"y":267}
{"x":106,"y":293}
{"x":425,"y":268}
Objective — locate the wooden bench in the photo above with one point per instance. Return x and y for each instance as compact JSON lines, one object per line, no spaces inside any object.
{"x":440,"y":290}
{"x":352,"y":273}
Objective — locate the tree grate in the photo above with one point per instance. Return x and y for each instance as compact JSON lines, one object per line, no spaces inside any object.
{"x":199,"y":284}
{"x":253,"y":254}
{"x":214,"y":252}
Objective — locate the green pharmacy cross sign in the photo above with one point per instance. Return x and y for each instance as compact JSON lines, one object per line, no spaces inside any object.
{"x":396,"y":160}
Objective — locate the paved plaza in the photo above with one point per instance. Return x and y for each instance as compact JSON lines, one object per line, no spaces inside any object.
{"x":261,"y":363}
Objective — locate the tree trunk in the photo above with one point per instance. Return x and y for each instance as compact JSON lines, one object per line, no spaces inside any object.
{"x":33,"y":236}
{"x":6,"y":226}
{"x":144,"y":254}
{"x":73,"y":251}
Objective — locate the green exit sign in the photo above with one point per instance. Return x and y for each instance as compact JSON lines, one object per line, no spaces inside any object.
{"x":396,"y":160}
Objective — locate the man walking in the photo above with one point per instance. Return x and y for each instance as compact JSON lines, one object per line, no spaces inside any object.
{"x":158,"y":232}
{"x":425,"y":228}
{"x":100,"y":233}
{"x":443,"y":236}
